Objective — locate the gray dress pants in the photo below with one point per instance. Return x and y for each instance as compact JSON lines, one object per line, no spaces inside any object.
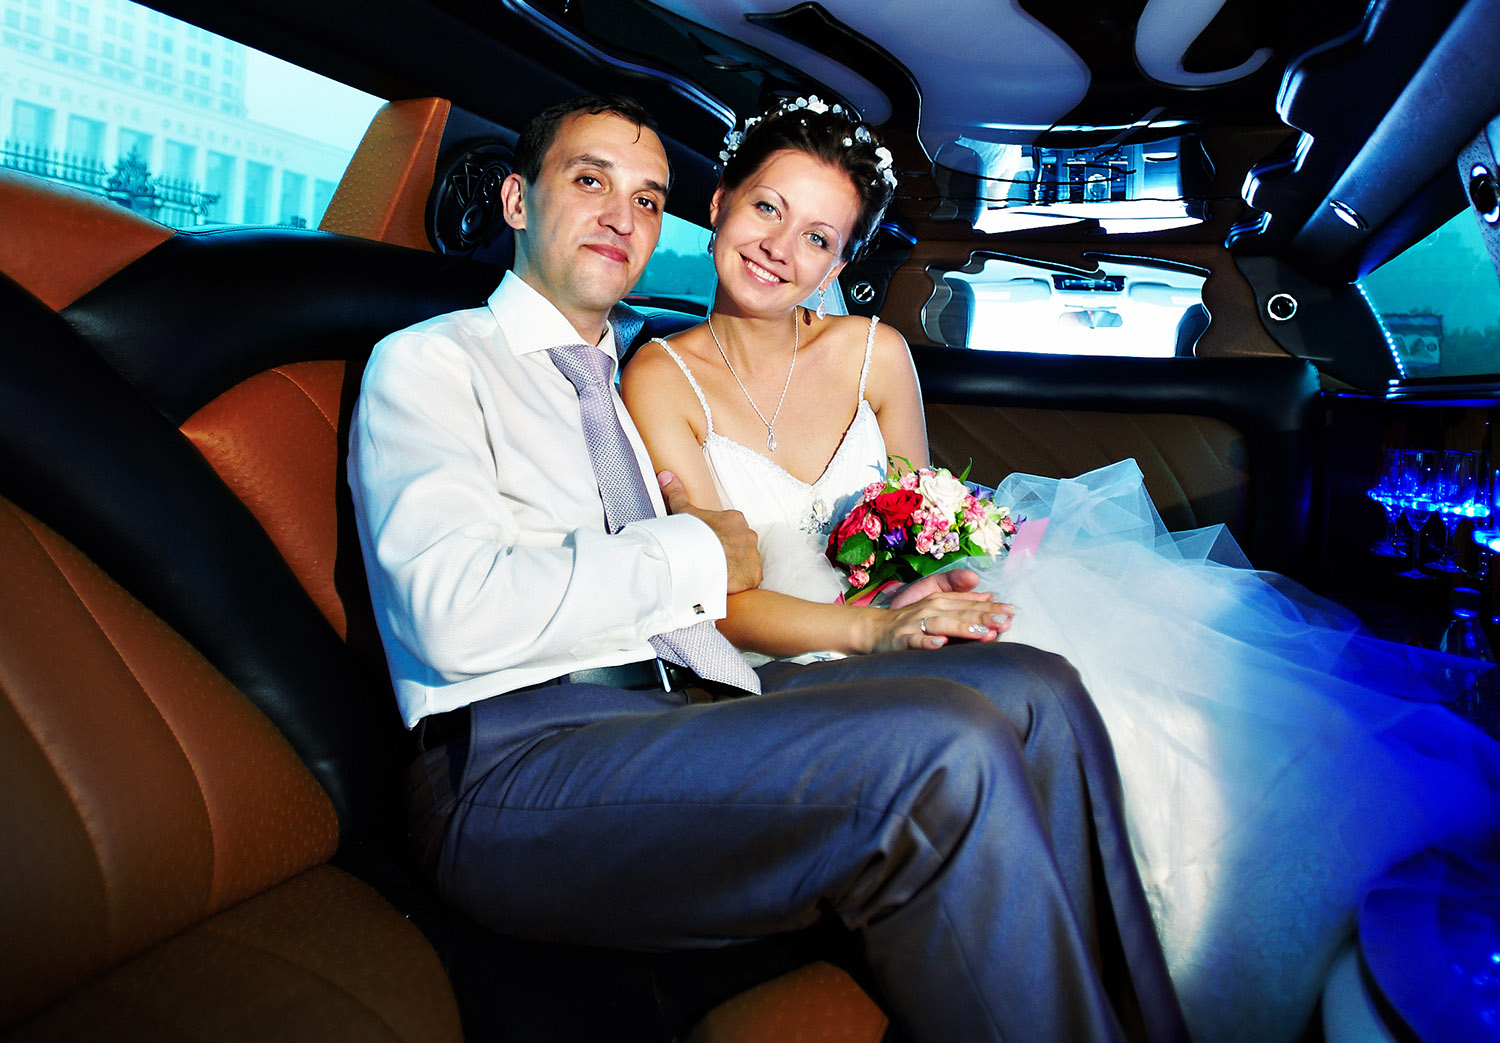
{"x":959,"y":810}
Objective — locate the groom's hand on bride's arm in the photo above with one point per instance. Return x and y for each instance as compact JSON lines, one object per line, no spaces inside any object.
{"x":740,"y":545}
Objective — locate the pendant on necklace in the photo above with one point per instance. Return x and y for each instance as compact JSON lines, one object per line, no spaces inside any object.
{"x":771,"y":440}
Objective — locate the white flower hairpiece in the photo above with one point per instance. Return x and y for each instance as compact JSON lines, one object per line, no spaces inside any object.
{"x":885,"y":164}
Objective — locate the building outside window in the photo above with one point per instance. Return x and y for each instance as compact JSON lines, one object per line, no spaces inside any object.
{"x":85,"y":139}
{"x":31,"y":125}
{"x":177,"y":160}
{"x":259,"y":141}
{"x":293,"y":188}
{"x":257,"y":192}
{"x":218,"y":182}
{"x":134,"y":141}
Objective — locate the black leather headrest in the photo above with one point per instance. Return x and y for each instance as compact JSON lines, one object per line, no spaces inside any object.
{"x":1252,"y":394}
{"x":205,"y":310}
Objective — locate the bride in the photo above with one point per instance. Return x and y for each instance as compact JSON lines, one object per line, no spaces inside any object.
{"x":1274,"y":759}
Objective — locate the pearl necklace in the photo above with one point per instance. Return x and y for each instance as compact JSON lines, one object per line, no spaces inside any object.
{"x":770,"y":424}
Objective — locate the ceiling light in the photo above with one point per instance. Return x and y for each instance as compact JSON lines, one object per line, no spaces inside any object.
{"x":1348,"y":214}
{"x":728,"y":63}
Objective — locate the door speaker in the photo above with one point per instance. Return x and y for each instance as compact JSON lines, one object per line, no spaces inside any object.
{"x":464,"y":214}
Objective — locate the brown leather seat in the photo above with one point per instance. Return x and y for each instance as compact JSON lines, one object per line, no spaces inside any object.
{"x":267,"y":408}
{"x":165,"y":872}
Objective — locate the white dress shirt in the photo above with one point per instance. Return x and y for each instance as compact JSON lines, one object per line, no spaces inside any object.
{"x":480,"y":519}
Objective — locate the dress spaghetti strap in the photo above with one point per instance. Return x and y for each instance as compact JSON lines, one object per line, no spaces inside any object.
{"x":869,"y":354}
{"x":708,"y":414}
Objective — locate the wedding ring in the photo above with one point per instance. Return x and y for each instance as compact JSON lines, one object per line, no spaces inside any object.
{"x":922,"y":624}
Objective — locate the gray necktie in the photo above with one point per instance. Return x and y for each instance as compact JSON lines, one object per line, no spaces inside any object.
{"x":700,"y":647}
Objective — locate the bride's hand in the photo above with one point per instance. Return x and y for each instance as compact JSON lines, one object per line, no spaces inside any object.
{"x":941,"y":616}
{"x":952,"y":581}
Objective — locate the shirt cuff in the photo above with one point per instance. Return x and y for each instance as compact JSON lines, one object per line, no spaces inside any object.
{"x":695,"y":562}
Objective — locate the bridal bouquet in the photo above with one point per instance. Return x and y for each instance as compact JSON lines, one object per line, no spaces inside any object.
{"x":914,"y":523}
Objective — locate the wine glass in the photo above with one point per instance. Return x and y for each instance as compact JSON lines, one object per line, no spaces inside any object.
{"x":1484,"y":535}
{"x":1455,"y":494}
{"x":1416,"y":475}
{"x":1383,"y":492}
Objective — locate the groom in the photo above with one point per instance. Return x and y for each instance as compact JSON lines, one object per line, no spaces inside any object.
{"x":590,"y":771}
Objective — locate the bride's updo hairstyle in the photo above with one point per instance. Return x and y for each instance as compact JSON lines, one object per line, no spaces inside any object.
{"x":830,"y":133}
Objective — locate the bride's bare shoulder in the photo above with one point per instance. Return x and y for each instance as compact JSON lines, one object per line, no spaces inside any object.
{"x":852,"y":332}
{"x":654,"y":378}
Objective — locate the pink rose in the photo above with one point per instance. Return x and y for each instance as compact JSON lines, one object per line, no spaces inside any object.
{"x":858,"y":577}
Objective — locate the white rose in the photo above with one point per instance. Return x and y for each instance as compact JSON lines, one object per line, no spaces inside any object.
{"x":943,"y":493}
{"x":988,"y":535}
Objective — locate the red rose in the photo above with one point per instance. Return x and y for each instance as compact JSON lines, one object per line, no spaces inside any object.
{"x":896,"y":508}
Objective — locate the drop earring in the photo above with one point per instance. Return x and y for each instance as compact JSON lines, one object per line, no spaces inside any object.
{"x":823,"y":303}
{"x":711,"y":237}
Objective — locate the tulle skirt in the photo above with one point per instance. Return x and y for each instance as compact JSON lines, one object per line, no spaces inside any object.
{"x":1274,"y":758}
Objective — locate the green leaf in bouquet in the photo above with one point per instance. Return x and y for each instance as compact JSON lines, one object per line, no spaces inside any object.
{"x":885,"y":570}
{"x":922,"y":564}
{"x":891,"y":461}
{"x":856,"y":549}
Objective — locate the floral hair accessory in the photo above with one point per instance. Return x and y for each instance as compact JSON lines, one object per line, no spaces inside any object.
{"x":914,"y":523}
{"x":885,"y":163}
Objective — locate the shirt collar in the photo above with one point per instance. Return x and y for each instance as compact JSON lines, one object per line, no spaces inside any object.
{"x":532,"y":323}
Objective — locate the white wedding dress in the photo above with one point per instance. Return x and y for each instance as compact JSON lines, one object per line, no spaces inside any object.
{"x":1274,"y":759}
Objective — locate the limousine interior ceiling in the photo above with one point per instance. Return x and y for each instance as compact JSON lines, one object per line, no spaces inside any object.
{"x":1344,"y":93}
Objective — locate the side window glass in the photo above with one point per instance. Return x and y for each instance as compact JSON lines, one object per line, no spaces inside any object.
{"x":1439,"y":303}
{"x":186,"y":127}
{"x":680,"y":275}
{"x":1124,"y":306}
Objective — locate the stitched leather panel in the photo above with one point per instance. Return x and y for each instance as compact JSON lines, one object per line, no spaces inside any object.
{"x":1194,"y":466}
{"x":61,"y":242}
{"x":275,"y":441}
{"x":189,"y":800}
{"x":384,"y":191}
{"x":81,"y":450}
{"x":320,"y":957}
{"x":1059,"y":415}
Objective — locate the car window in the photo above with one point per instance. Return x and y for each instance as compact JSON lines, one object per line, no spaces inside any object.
{"x":168,"y":119}
{"x":1439,"y":303}
{"x":1123,"y":307}
{"x":680,"y":272}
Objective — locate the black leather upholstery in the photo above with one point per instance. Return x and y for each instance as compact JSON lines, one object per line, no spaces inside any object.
{"x":205,"y":310}
{"x":92,"y":399}
{"x":1262,"y":394}
{"x":94,"y":459}
{"x":1273,"y":402}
